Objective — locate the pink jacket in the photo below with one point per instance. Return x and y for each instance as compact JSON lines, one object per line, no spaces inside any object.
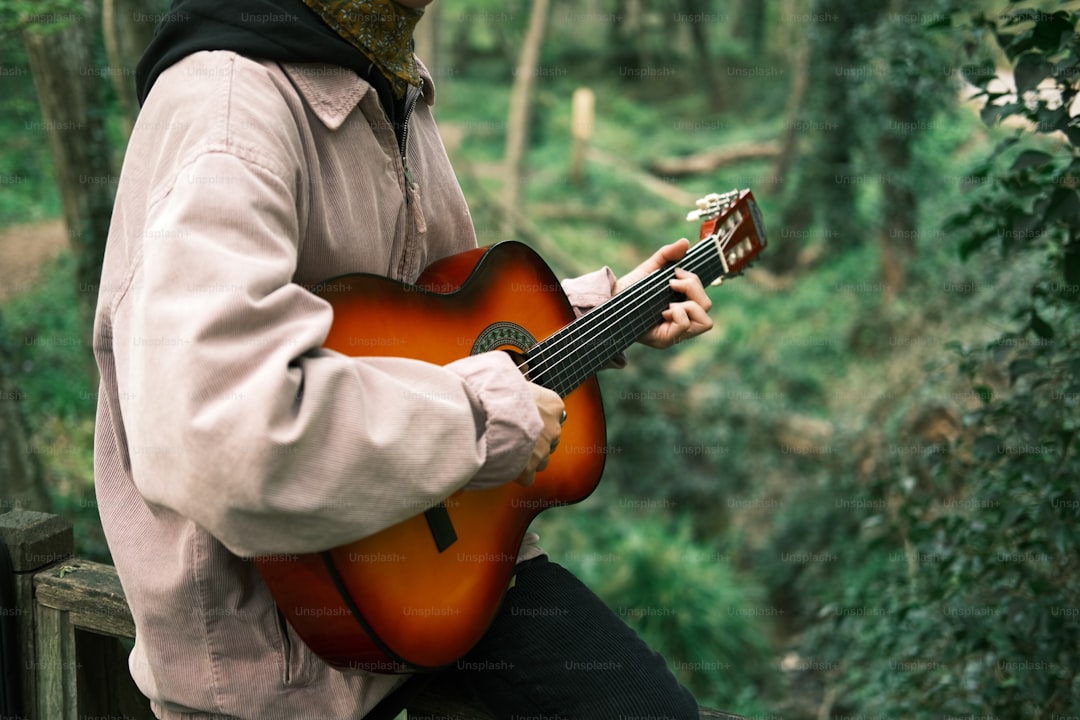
{"x":224,"y":429}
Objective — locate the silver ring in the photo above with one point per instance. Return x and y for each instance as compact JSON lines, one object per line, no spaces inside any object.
{"x":563,"y":418}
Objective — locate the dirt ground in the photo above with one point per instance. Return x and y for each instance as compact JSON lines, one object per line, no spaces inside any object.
{"x":24,"y":249}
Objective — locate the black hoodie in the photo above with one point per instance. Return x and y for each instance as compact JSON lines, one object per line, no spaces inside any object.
{"x":278,"y":30}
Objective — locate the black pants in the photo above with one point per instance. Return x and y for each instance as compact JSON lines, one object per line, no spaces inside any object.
{"x":556,"y":651}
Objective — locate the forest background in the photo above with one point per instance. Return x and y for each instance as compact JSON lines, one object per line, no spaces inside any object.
{"x":859,"y":496}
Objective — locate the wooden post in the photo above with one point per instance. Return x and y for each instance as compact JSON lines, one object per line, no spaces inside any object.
{"x":517,"y":121}
{"x":85,"y":601}
{"x":35,"y":541}
{"x":581,"y":128}
{"x":57,"y":665}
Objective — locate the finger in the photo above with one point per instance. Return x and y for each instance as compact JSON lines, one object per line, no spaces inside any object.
{"x":679,"y":318}
{"x":691,"y":286}
{"x":666,"y":254}
{"x":684,"y":321}
{"x":700,"y":321}
{"x":671,"y":252}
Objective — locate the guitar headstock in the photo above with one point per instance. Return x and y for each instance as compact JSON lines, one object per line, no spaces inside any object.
{"x":732,"y":221}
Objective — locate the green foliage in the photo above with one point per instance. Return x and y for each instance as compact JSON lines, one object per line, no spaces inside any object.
{"x":50,"y":347}
{"x":38,"y":15}
{"x":930,"y":577}
{"x":51,"y":365}
{"x":26,"y":189}
{"x":973,"y":611}
{"x":1031,"y":197}
{"x":682,"y":595}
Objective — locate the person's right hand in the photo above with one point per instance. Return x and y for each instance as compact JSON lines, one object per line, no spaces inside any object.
{"x":551,"y":410}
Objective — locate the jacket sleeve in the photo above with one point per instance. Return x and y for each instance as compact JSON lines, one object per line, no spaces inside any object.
{"x":239,"y":419}
{"x":585,"y":292}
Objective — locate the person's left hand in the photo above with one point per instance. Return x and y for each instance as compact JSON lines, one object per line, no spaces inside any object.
{"x":682,"y":320}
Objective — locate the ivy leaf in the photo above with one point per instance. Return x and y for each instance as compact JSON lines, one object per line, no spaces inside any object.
{"x":1064,"y":206}
{"x":979,"y":75}
{"x":1031,"y":69}
{"x":1071,"y":262}
{"x":1063,"y":69}
{"x":1030,"y":158}
{"x":992,"y":114}
{"x":986,"y":447}
{"x":1040,"y":327}
{"x":1021,"y":367}
{"x":969,"y":245}
{"x":985,"y":393}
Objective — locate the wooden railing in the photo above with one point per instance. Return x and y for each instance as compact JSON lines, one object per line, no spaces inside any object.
{"x":75,"y":631}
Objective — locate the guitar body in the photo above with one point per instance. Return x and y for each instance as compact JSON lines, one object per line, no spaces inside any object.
{"x":420,"y":594}
{"x":395,"y":601}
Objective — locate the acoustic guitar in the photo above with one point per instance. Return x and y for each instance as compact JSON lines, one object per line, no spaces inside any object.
{"x":418,"y":595}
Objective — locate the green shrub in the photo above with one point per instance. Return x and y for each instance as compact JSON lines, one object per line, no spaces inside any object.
{"x":683,"y":596}
{"x":978,"y":614}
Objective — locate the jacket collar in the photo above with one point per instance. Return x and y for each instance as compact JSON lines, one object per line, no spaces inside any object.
{"x":333,"y":92}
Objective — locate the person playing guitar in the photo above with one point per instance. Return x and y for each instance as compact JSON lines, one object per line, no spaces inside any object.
{"x":285,"y":147}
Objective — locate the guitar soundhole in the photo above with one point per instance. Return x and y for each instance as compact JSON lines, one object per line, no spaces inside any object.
{"x":503,"y":335}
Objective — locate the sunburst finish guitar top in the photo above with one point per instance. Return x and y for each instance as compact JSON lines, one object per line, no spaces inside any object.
{"x":421,"y":593}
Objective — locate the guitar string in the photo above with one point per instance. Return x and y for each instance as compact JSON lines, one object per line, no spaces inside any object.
{"x":602,"y":341}
{"x":550,"y":349}
{"x":554,"y":350}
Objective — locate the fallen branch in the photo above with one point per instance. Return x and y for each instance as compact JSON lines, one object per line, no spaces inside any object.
{"x":653,"y":184}
{"x":709,"y":161}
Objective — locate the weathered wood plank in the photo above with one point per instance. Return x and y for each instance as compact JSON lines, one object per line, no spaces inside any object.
{"x":56,"y":666}
{"x":34,"y":540}
{"x":90,"y":592}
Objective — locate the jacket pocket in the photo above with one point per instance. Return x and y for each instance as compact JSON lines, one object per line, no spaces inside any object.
{"x":297,"y":666}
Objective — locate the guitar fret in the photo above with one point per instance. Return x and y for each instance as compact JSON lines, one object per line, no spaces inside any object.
{"x":576,"y":352}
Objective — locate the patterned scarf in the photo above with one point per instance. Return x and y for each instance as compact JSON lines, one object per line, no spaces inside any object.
{"x":381,"y":29}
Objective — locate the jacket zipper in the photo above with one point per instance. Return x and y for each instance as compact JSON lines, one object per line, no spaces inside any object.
{"x":403,"y":141}
{"x":410,"y":105}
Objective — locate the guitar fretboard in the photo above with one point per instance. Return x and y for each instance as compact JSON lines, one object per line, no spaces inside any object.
{"x":570,"y":356}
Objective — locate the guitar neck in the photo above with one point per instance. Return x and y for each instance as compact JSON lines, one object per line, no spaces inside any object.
{"x":570,"y":356}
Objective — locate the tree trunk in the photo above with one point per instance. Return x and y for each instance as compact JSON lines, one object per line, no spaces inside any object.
{"x":22,"y":482}
{"x":825,"y":181}
{"x":427,"y":40}
{"x":800,"y":79}
{"x":834,"y":111}
{"x":68,"y":87}
{"x":896,"y":152}
{"x":128,"y":27}
{"x":750,"y":24}
{"x":899,"y":203}
{"x":707,"y":71}
{"x":517,"y":130}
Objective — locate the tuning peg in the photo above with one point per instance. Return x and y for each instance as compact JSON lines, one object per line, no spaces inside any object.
{"x":706,"y":207}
